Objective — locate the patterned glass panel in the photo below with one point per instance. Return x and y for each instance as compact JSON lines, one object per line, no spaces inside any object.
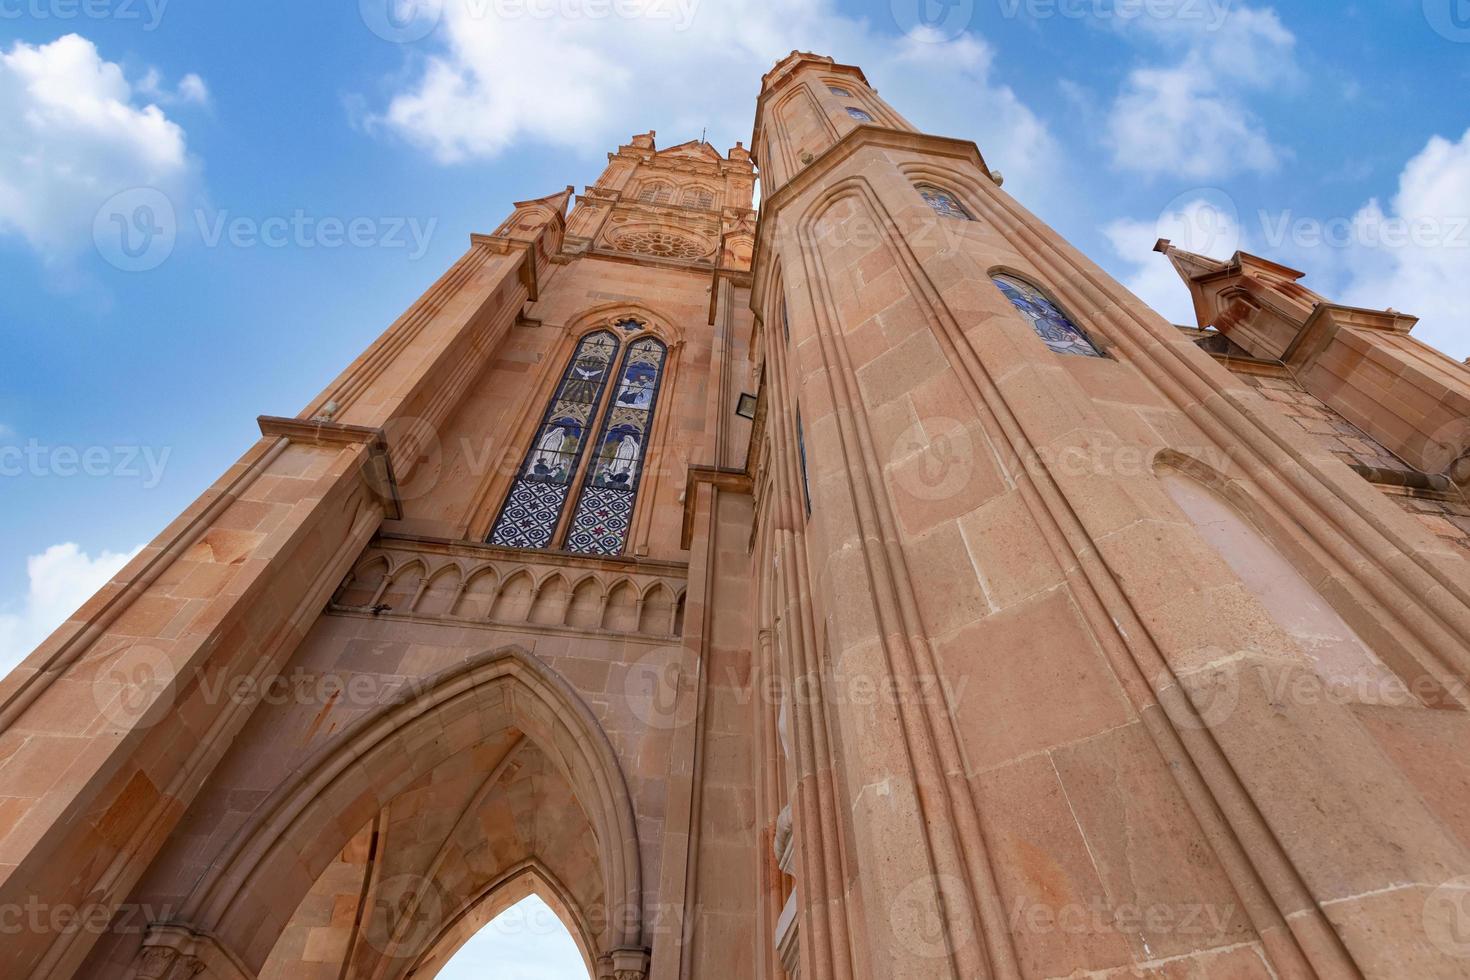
{"x":859,"y":114}
{"x":534,"y":507}
{"x":1054,"y":326}
{"x":943,"y":202}
{"x":605,"y":511}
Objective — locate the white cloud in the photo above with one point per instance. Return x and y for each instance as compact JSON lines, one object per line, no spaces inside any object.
{"x":1412,"y":255}
{"x":484,"y":86}
{"x":1175,"y":122}
{"x":190,"y":90}
{"x":61,"y":578}
{"x":1190,"y":117}
{"x":1415,"y":256}
{"x":72,"y":135}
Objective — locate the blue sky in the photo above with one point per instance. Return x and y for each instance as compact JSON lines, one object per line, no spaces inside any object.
{"x":324,"y":162}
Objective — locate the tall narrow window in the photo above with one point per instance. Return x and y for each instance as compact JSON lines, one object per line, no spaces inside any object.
{"x":1046,"y":318}
{"x":534,"y":507}
{"x":945,"y":204}
{"x":806,"y":486}
{"x":605,"y":511}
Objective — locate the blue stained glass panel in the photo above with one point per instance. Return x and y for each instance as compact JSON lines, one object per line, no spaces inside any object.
{"x":1050,"y":323}
{"x":534,"y":506}
{"x":943,"y":202}
{"x":858,"y":114}
{"x":604,"y":512}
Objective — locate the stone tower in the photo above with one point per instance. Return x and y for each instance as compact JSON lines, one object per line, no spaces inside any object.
{"x":872,"y":590}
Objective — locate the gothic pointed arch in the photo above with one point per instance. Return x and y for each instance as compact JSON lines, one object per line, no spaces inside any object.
{"x":294,"y":835}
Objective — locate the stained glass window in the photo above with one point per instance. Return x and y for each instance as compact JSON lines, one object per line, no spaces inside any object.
{"x":943,"y":202}
{"x":839,"y":90}
{"x":605,"y":511}
{"x":858,"y":114}
{"x":539,"y":493}
{"x":1054,"y":326}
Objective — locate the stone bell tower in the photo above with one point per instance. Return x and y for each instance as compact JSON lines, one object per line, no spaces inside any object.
{"x":866,"y":588}
{"x":1112,"y":666}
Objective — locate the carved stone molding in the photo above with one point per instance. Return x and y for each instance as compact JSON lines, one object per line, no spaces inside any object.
{"x":173,"y":952}
{"x":464,"y":583}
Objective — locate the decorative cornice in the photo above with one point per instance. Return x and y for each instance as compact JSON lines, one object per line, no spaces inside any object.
{"x":377,"y":472}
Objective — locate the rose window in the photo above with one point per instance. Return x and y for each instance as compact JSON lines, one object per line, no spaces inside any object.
{"x":664,"y":244}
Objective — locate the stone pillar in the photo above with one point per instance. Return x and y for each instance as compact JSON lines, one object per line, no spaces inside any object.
{"x":113,"y":724}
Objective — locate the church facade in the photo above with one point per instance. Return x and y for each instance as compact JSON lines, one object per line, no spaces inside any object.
{"x":867,"y":586}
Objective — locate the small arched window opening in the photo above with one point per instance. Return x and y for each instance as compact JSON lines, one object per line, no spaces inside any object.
{"x":945,"y":204}
{"x":858,"y":114}
{"x":1053,"y":326}
{"x":699,"y":197}
{"x":839,"y":90}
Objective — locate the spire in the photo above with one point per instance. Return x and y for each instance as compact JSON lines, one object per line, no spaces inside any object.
{"x":556,"y":201}
{"x":1188,"y":264}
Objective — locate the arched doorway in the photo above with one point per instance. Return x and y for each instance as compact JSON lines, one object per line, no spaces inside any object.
{"x":419,"y":823}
